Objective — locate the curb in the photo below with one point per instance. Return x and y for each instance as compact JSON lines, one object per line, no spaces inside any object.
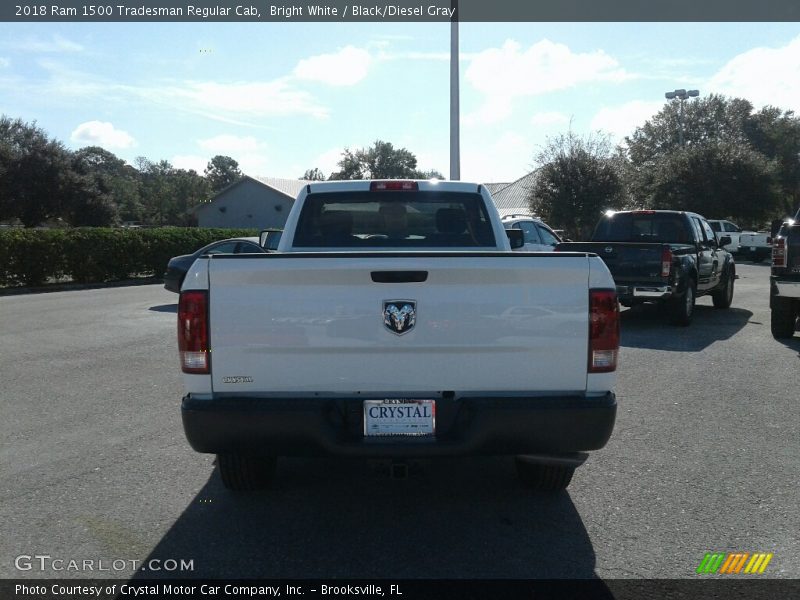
{"x":68,"y":287}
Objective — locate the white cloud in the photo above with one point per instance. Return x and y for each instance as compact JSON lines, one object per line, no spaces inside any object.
{"x":622,"y":120}
{"x":763,"y":76}
{"x":348,"y":66}
{"x":103,"y":134}
{"x":56,"y":43}
{"x":4,"y":62}
{"x":252,"y":155}
{"x":256,"y":99}
{"x":190,"y":162}
{"x":506,"y":73}
{"x":226,"y":144}
{"x":327,"y":162}
{"x":506,"y":159}
{"x":549,"y":119}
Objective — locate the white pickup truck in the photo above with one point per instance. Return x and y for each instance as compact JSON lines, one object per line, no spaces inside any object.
{"x":756,"y":245}
{"x":395,"y":322}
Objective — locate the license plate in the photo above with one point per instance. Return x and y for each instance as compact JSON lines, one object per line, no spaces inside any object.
{"x":399,"y":417}
{"x":752,"y":248}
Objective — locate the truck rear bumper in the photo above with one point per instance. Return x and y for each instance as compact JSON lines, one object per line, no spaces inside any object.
{"x":644,"y":292}
{"x":785,"y":288}
{"x":334,"y":426}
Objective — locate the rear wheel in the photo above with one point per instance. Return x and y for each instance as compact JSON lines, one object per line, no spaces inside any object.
{"x":544,"y":478}
{"x":782,"y":318}
{"x":724,"y":296}
{"x":246,"y":473}
{"x":682,"y":307}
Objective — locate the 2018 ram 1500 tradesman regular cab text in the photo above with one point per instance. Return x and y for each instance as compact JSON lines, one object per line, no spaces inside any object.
{"x":394,"y":321}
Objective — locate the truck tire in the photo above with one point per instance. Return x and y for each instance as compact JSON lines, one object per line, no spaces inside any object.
{"x":782,"y":318}
{"x":724,"y":296}
{"x":757,"y":256}
{"x":544,"y":478}
{"x":682,"y":308}
{"x":244,"y":473}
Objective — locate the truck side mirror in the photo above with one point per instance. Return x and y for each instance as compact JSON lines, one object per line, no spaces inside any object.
{"x":269,"y":239}
{"x":724,"y":241}
{"x":515,"y":238}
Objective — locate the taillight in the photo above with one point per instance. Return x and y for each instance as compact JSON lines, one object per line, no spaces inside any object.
{"x":394,"y":185}
{"x":603,"y":331}
{"x":666,"y":262}
{"x":779,"y":253}
{"x":193,"y":332}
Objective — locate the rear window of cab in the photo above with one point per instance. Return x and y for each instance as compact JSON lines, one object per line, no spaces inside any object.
{"x":401,"y":219}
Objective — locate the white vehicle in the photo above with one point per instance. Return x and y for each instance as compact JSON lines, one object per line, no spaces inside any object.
{"x":755,"y":245}
{"x":538,"y":236}
{"x":723,"y":228}
{"x":395,"y":322}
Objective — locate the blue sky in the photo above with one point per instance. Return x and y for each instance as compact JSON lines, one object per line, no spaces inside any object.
{"x":284,"y":97}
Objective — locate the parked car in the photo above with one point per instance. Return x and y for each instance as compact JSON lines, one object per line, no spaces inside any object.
{"x":538,"y":236}
{"x":663,"y":256}
{"x":178,"y":266}
{"x":729,"y":228}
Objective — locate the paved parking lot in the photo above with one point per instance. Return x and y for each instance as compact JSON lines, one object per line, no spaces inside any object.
{"x":705,"y":457}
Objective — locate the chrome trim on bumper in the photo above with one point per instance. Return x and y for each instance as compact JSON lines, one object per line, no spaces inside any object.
{"x":644,"y":291}
{"x":787,"y":289}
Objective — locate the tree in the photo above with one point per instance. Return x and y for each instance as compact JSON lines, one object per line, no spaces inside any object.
{"x":776,"y":134}
{"x":734,"y":163}
{"x":716,"y":178}
{"x":577,"y":179}
{"x":380,"y":161}
{"x":350,"y":167}
{"x":221,"y":172}
{"x":170,"y":194}
{"x":313,"y":175}
{"x":34,"y":173}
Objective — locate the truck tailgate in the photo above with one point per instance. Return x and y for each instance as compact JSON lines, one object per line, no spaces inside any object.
{"x":300,"y":323}
{"x":628,"y":262}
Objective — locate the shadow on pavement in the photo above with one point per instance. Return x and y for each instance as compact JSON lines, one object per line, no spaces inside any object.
{"x":648,"y":326}
{"x":165,"y":308}
{"x":328,"y":518}
{"x":792,"y":343}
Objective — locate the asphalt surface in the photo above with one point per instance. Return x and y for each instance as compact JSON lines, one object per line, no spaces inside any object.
{"x":94,"y":466}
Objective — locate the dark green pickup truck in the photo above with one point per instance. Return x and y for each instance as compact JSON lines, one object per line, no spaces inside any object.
{"x":784,"y":293}
{"x":663,"y":256}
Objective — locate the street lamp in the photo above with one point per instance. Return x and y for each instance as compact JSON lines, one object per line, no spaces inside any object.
{"x":681,"y":95}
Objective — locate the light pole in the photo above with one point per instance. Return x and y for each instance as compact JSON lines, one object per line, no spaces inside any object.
{"x":681,"y":95}
{"x":455,"y":133}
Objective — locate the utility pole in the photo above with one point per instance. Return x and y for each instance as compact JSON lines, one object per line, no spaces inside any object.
{"x":455,"y":133}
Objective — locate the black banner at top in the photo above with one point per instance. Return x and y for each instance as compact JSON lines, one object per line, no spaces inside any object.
{"x":399,"y":10}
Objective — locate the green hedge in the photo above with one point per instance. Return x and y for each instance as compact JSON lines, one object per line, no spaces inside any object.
{"x":91,"y":255}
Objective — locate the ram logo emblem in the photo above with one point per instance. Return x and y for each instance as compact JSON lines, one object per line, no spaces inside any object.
{"x":399,"y":316}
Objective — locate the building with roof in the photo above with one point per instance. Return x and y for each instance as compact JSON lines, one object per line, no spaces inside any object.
{"x":265,"y":202}
{"x":513,"y":198}
{"x":251,"y":202}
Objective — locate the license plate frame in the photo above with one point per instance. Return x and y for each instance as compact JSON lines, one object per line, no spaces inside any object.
{"x":401,"y":417}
